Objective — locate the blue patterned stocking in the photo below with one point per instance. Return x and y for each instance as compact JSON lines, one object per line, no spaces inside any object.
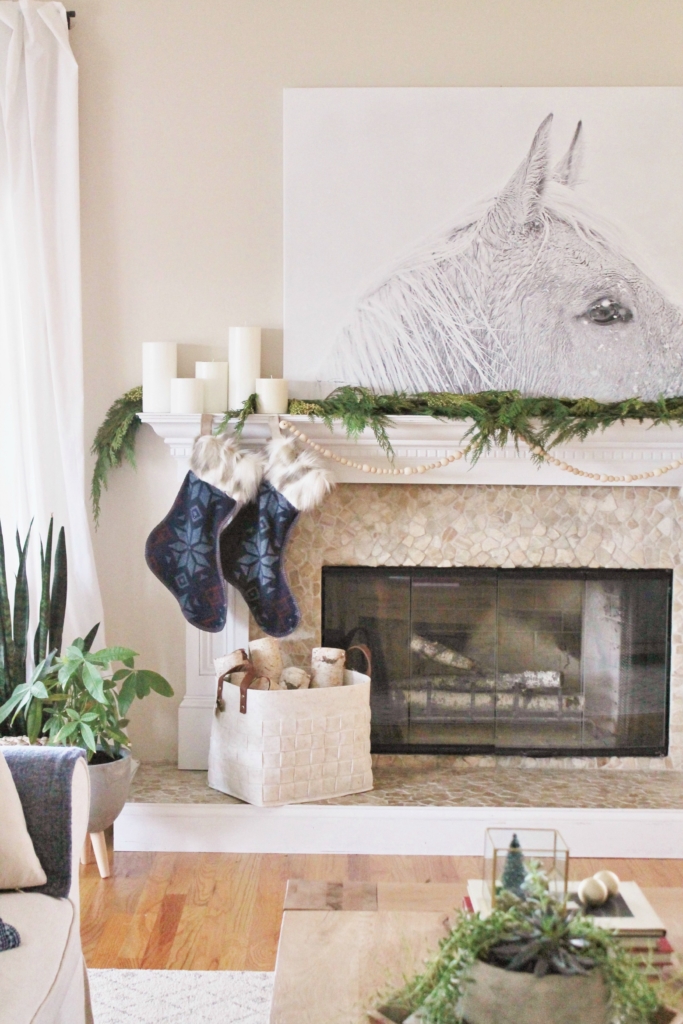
{"x":251,"y":556}
{"x":182,"y":551}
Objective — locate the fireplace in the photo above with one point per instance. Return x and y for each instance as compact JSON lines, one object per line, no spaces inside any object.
{"x":541,"y":662}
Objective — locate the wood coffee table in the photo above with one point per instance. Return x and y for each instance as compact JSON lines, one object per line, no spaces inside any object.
{"x":342,"y":944}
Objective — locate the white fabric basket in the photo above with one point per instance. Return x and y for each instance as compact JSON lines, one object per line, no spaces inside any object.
{"x":293,"y":745}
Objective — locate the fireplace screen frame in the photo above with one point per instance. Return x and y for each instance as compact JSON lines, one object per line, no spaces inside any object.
{"x":381,"y":744}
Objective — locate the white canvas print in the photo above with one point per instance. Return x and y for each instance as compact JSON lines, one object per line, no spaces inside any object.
{"x":475,"y":239}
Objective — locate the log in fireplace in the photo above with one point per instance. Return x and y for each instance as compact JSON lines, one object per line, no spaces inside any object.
{"x":543,"y":662}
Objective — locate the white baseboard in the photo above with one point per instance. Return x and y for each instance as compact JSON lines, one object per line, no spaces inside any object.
{"x":439,"y":831}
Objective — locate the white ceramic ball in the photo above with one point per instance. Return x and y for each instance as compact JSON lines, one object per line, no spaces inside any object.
{"x":592,"y":892}
{"x":610,"y":880}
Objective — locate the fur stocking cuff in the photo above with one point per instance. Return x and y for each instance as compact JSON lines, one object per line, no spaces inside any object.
{"x":296,"y":474}
{"x":218,"y":460}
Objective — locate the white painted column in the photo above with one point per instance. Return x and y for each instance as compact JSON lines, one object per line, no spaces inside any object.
{"x":197,"y":706}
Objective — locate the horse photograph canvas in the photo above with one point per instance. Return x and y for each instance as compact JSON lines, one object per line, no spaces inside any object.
{"x":469,"y":239}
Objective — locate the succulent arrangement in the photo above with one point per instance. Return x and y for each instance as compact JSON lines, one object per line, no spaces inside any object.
{"x":533,"y":933}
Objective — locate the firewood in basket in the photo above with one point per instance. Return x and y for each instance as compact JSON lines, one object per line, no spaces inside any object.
{"x":294,"y":678}
{"x":229,"y":661}
{"x":266,"y":658}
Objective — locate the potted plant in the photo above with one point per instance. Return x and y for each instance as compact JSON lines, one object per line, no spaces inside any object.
{"x":79,"y":699}
{"x":532,"y":959}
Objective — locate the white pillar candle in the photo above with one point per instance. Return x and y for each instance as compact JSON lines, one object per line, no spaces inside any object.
{"x":215,"y":377}
{"x":273,"y":395}
{"x":244,"y":355}
{"x":159,"y":367}
{"x":187,"y":395}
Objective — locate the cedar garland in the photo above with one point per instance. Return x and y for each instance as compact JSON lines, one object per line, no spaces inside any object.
{"x":114,"y":443}
{"x":497,"y":416}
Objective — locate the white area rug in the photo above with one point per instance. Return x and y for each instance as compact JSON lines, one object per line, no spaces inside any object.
{"x":181,"y":997}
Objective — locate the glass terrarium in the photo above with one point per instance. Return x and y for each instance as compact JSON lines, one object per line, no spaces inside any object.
{"x":508,"y":852}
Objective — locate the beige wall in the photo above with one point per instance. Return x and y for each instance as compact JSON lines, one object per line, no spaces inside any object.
{"x":181,"y":187}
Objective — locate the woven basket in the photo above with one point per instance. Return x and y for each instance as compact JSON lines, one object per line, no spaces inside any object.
{"x":289,"y":746}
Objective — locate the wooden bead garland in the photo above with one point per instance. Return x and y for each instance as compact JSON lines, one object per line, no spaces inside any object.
{"x":603,"y":477}
{"x":426,"y":467}
{"x":364,"y":467}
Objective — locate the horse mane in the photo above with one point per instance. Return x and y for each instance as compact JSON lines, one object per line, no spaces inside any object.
{"x":424,"y":321}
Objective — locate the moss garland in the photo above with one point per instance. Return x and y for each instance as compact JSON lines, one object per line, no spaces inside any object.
{"x":497,"y":417}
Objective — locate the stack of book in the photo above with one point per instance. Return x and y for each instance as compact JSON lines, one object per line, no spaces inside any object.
{"x":629,"y":914}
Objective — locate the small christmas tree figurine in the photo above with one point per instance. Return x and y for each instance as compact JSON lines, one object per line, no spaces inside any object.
{"x":514,"y":872}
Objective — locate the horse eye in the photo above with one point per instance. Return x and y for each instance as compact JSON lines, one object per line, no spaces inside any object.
{"x":607,"y":311}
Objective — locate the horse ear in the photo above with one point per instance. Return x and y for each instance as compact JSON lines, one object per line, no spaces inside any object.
{"x":522,"y":197}
{"x":568,"y":169}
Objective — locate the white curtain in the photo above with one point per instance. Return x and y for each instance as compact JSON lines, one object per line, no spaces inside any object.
{"x":41,"y":360}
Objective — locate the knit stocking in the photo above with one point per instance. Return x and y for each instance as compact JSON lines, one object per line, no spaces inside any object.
{"x":182,"y":551}
{"x":252,"y":546}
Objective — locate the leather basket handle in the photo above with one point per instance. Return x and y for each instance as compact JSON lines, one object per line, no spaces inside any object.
{"x":365,"y":651}
{"x":245,"y":666}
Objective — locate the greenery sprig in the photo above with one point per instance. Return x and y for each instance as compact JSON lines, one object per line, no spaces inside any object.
{"x":248,"y":409}
{"x":497,"y":417}
{"x":115,"y":442}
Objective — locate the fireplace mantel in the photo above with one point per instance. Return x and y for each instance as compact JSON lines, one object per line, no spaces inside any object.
{"x":622,"y":449}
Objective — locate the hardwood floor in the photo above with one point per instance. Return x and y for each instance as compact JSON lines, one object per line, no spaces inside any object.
{"x":210,"y":911}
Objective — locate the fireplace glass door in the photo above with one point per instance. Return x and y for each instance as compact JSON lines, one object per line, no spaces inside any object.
{"x":539,"y":661}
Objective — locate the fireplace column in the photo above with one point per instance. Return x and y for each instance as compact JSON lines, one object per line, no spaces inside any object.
{"x":197,"y":706}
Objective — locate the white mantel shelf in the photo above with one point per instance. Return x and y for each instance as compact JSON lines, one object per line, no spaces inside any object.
{"x":622,"y":449}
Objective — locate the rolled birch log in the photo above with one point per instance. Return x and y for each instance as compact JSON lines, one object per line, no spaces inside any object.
{"x":294,"y":679}
{"x":266,"y":658}
{"x":327,"y":664}
{"x":229,"y":661}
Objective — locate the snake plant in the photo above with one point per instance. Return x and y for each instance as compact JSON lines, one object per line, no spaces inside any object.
{"x":14,"y":620}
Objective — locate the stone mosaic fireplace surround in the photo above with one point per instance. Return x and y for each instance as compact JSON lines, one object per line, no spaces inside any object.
{"x":495,"y":526}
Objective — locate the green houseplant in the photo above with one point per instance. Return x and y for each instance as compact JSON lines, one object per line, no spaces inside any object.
{"x":14,"y":622}
{"x":531,"y":959}
{"x":81,"y":699}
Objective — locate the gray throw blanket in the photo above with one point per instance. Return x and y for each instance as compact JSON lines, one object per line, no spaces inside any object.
{"x":43,"y":776}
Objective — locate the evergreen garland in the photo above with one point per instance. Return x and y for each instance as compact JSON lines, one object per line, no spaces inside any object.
{"x":114,"y":443}
{"x":497,"y":416}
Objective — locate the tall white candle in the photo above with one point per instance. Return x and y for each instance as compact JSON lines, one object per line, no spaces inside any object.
{"x":273,"y":395}
{"x":159,"y":367}
{"x":215,"y":377}
{"x":244,"y":355}
{"x":187,"y":395}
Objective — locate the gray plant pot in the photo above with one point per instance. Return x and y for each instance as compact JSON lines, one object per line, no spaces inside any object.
{"x":109,"y":787}
{"x":496,"y":996}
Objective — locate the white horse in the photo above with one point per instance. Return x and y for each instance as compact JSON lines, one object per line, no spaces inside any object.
{"x":532,"y":293}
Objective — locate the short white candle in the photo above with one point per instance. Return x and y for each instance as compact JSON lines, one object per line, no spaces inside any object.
{"x":244,"y":355}
{"x":215,"y":377}
{"x":187,"y":395}
{"x":273,"y":395}
{"x":159,"y":367}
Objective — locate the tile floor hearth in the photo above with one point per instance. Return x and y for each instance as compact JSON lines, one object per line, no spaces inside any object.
{"x":436,"y":782}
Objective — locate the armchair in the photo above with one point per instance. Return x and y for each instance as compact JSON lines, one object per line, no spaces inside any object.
{"x":44,"y":980}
